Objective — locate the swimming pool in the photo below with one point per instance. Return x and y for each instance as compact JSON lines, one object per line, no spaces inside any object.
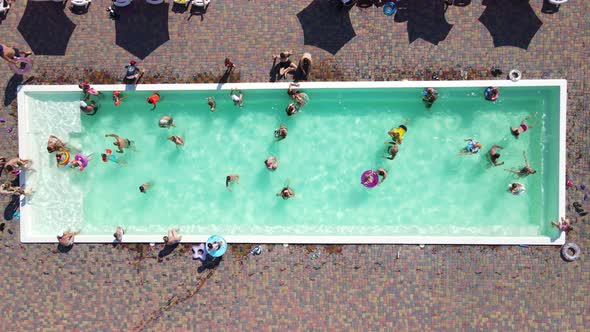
{"x":432,"y":194}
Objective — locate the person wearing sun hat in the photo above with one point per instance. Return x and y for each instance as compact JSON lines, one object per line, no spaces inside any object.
{"x":133,"y":73}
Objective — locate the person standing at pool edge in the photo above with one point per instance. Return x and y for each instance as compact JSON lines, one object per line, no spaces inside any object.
{"x":154,"y":99}
{"x":133,"y":73}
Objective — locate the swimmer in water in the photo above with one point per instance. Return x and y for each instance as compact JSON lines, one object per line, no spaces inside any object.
{"x":564,"y":225}
{"x":286,"y":193}
{"x":382,"y":173}
{"x":300,"y":98}
{"x":391,"y":150}
{"x":232,"y":178}
{"x":211,"y":103}
{"x":516,"y":188}
{"x":271,"y":163}
{"x":120,"y":142}
{"x":55,"y":144}
{"x":516,"y":131}
{"x":177,"y":140}
{"x":111,"y":157}
{"x":237,"y":97}
{"x":397,"y":134}
{"x":292,"y":109}
{"x":117,"y":97}
{"x":154,"y":99}
{"x":166,"y":122}
{"x":281,"y":132}
{"x":494,"y":155}
{"x":89,"y":108}
{"x":524,"y":170}
{"x":472,"y":147}
{"x":87,"y":90}
{"x":144,"y":187}
{"x":429,"y":96}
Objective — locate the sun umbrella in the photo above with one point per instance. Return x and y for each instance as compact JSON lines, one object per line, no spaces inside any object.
{"x":326,"y":26}
{"x":46,"y":28}
{"x":511,"y":23}
{"x":142,"y":28}
{"x":426,"y":20}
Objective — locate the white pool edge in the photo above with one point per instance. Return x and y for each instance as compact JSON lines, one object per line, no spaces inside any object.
{"x":24,"y":147}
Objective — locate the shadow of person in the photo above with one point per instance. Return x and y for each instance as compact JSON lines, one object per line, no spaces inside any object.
{"x":168,"y":249}
{"x":179,"y":8}
{"x":64,"y":249}
{"x":209,"y":263}
{"x":225,"y":77}
{"x":12,"y":88}
{"x":197,"y":11}
{"x":274,"y":71}
{"x":549,"y":8}
{"x":11,"y":207}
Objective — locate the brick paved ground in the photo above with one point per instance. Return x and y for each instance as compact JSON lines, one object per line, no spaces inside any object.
{"x":101,"y":288}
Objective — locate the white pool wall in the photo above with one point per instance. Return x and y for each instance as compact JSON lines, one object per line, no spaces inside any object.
{"x":25,"y":148}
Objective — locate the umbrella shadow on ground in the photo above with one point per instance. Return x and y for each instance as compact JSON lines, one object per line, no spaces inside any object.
{"x":510,"y":23}
{"x":426,"y":20}
{"x":46,"y":28}
{"x":143,"y":29}
{"x":325,"y":26}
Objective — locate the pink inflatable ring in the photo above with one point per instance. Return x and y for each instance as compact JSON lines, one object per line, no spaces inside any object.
{"x":17,"y":68}
{"x":369,"y":178}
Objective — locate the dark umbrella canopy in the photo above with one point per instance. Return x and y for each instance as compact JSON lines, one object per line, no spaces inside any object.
{"x":142,"y":28}
{"x":326,"y":26}
{"x":46,"y":28}
{"x":426,"y":20}
{"x":511,"y":23}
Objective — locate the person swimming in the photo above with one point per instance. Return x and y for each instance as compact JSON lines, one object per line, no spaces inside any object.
{"x":177,"y":140}
{"x":232,"y":178}
{"x":89,"y":108}
{"x":292,"y":109}
{"x":429,"y":96}
{"x":397,"y":134}
{"x":166,"y":122}
{"x":154,"y":99}
{"x":286,"y":193}
{"x":211,"y":103}
{"x":237,"y":97}
{"x":392,"y":150}
{"x":472,"y":147}
{"x":516,"y":131}
{"x":281,"y":132}
{"x":120,"y":142}
{"x":524,"y":170}
{"x":271,"y":163}
{"x":117,"y":97}
{"x":494,"y":155}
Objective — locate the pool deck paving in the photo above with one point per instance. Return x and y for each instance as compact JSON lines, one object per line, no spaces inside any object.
{"x":102,"y":287}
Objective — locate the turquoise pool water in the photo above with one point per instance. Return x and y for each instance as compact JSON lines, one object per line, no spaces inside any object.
{"x":431,"y":190}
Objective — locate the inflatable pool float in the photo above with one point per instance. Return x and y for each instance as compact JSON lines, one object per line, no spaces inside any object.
{"x":369,"y":178}
{"x":389,"y":9}
{"x":217,"y":252}
{"x":21,"y":71}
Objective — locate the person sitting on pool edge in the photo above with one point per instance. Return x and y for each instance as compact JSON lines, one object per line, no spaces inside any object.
{"x":494,"y":155}
{"x":132,"y":74}
{"x":565,"y":225}
{"x":232,"y":178}
{"x":286,"y":193}
{"x":429,"y":96}
{"x":524,"y":170}
{"x":154,"y":99}
{"x":472,"y":147}
{"x":516,"y":131}
{"x":166,"y":122}
{"x":120,"y":142}
{"x":271,"y":163}
{"x":118,"y":235}
{"x":397,"y":134}
{"x":89,"y":108}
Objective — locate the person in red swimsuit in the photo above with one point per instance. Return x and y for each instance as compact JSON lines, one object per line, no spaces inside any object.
{"x":154,"y":99}
{"x":516,"y":131}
